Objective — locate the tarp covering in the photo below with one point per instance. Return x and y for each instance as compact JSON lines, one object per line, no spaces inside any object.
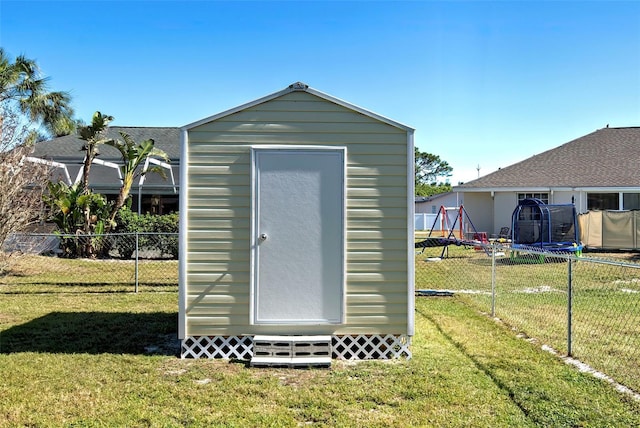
{"x":636,"y":220}
{"x":591,"y":229}
{"x":610,"y":229}
{"x":618,"y":229}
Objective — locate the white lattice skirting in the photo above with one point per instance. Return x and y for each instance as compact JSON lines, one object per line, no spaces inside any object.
{"x":348,"y":347}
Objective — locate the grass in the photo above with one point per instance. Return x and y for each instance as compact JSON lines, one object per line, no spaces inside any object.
{"x":108,"y":359}
{"x":37,"y":274}
{"x":533,"y":299}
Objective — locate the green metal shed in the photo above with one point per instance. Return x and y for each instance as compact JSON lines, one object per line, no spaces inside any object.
{"x":296,"y":221}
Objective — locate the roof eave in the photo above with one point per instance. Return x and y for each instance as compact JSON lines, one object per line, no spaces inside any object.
{"x":505,"y":189}
{"x":360,"y":110}
{"x":545,"y":189}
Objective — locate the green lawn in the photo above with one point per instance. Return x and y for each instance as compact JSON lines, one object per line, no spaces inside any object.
{"x":37,"y":274}
{"x":532,"y":297}
{"x":107,"y":359}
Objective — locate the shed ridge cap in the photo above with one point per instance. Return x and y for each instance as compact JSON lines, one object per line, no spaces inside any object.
{"x":298,"y":86}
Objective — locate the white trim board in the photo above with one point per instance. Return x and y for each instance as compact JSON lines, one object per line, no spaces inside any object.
{"x":295,"y":280}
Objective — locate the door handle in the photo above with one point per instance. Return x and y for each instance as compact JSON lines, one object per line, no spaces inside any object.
{"x":263,"y":237}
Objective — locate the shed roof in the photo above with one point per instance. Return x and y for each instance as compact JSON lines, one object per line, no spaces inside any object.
{"x":299,"y":87}
{"x":606,"y":158}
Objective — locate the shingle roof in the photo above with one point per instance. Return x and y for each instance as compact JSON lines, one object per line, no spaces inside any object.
{"x":419,"y":199}
{"x":67,"y":150}
{"x":69,"y":146}
{"x":608,"y":157}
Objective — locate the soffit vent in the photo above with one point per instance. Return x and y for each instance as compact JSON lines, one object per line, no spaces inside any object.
{"x":299,"y":86}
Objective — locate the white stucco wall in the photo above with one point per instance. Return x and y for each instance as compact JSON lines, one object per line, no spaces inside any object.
{"x":563,"y":197}
{"x":479,"y":208}
{"x":504,"y":204}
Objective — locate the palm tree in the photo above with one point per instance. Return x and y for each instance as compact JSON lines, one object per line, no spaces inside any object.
{"x":133,"y":155}
{"x":68,"y":209}
{"x":93,"y":135}
{"x":21,"y":83}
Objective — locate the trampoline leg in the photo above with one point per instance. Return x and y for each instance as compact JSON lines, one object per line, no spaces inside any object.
{"x":445,"y":249}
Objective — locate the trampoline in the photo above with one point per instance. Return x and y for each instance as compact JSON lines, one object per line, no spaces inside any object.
{"x":554,"y":228}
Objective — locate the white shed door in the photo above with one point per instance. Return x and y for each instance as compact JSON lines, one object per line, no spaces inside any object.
{"x":299,"y":245}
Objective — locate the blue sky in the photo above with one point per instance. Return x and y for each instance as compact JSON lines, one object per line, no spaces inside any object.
{"x":483,"y":83}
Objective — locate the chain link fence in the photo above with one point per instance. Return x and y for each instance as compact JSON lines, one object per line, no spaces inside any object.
{"x":585,"y":307}
{"x":116,"y":262}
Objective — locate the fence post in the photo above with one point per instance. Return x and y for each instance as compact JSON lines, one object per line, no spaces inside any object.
{"x":493,"y":280}
{"x":136,"y":263}
{"x":569,"y":306}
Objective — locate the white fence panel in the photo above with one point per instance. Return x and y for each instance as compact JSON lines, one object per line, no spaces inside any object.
{"x":424,"y":221}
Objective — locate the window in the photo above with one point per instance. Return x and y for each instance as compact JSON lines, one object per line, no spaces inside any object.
{"x":157,"y":204}
{"x":529,"y":213}
{"x":603,"y":201}
{"x":631,"y":201}
{"x":544,"y":197}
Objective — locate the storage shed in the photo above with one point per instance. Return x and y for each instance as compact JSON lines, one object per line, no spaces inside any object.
{"x":296,"y":227}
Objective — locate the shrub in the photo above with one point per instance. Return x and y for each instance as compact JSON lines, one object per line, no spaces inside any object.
{"x":164,"y":225}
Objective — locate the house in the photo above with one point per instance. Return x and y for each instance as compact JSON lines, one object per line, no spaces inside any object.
{"x":296,"y":224}
{"x":152,"y":193}
{"x":598,"y":171}
{"x":431,"y":204}
{"x":428,"y":207}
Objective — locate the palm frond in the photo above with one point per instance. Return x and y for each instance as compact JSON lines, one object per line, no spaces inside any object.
{"x":156,"y":170}
{"x":99,"y":125}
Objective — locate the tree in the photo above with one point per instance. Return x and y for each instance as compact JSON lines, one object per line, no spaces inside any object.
{"x":78,"y":211}
{"x":23,"y":86}
{"x":21,"y":182}
{"x":26,"y":106}
{"x":132,"y":156}
{"x":429,"y":168}
{"x":93,"y":135}
{"x":68,"y":208}
{"x":432,"y":189}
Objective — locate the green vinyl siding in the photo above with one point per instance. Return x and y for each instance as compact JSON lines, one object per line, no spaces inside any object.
{"x":218,"y":271}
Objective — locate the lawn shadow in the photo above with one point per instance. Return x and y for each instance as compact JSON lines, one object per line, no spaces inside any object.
{"x":152,"y":333}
